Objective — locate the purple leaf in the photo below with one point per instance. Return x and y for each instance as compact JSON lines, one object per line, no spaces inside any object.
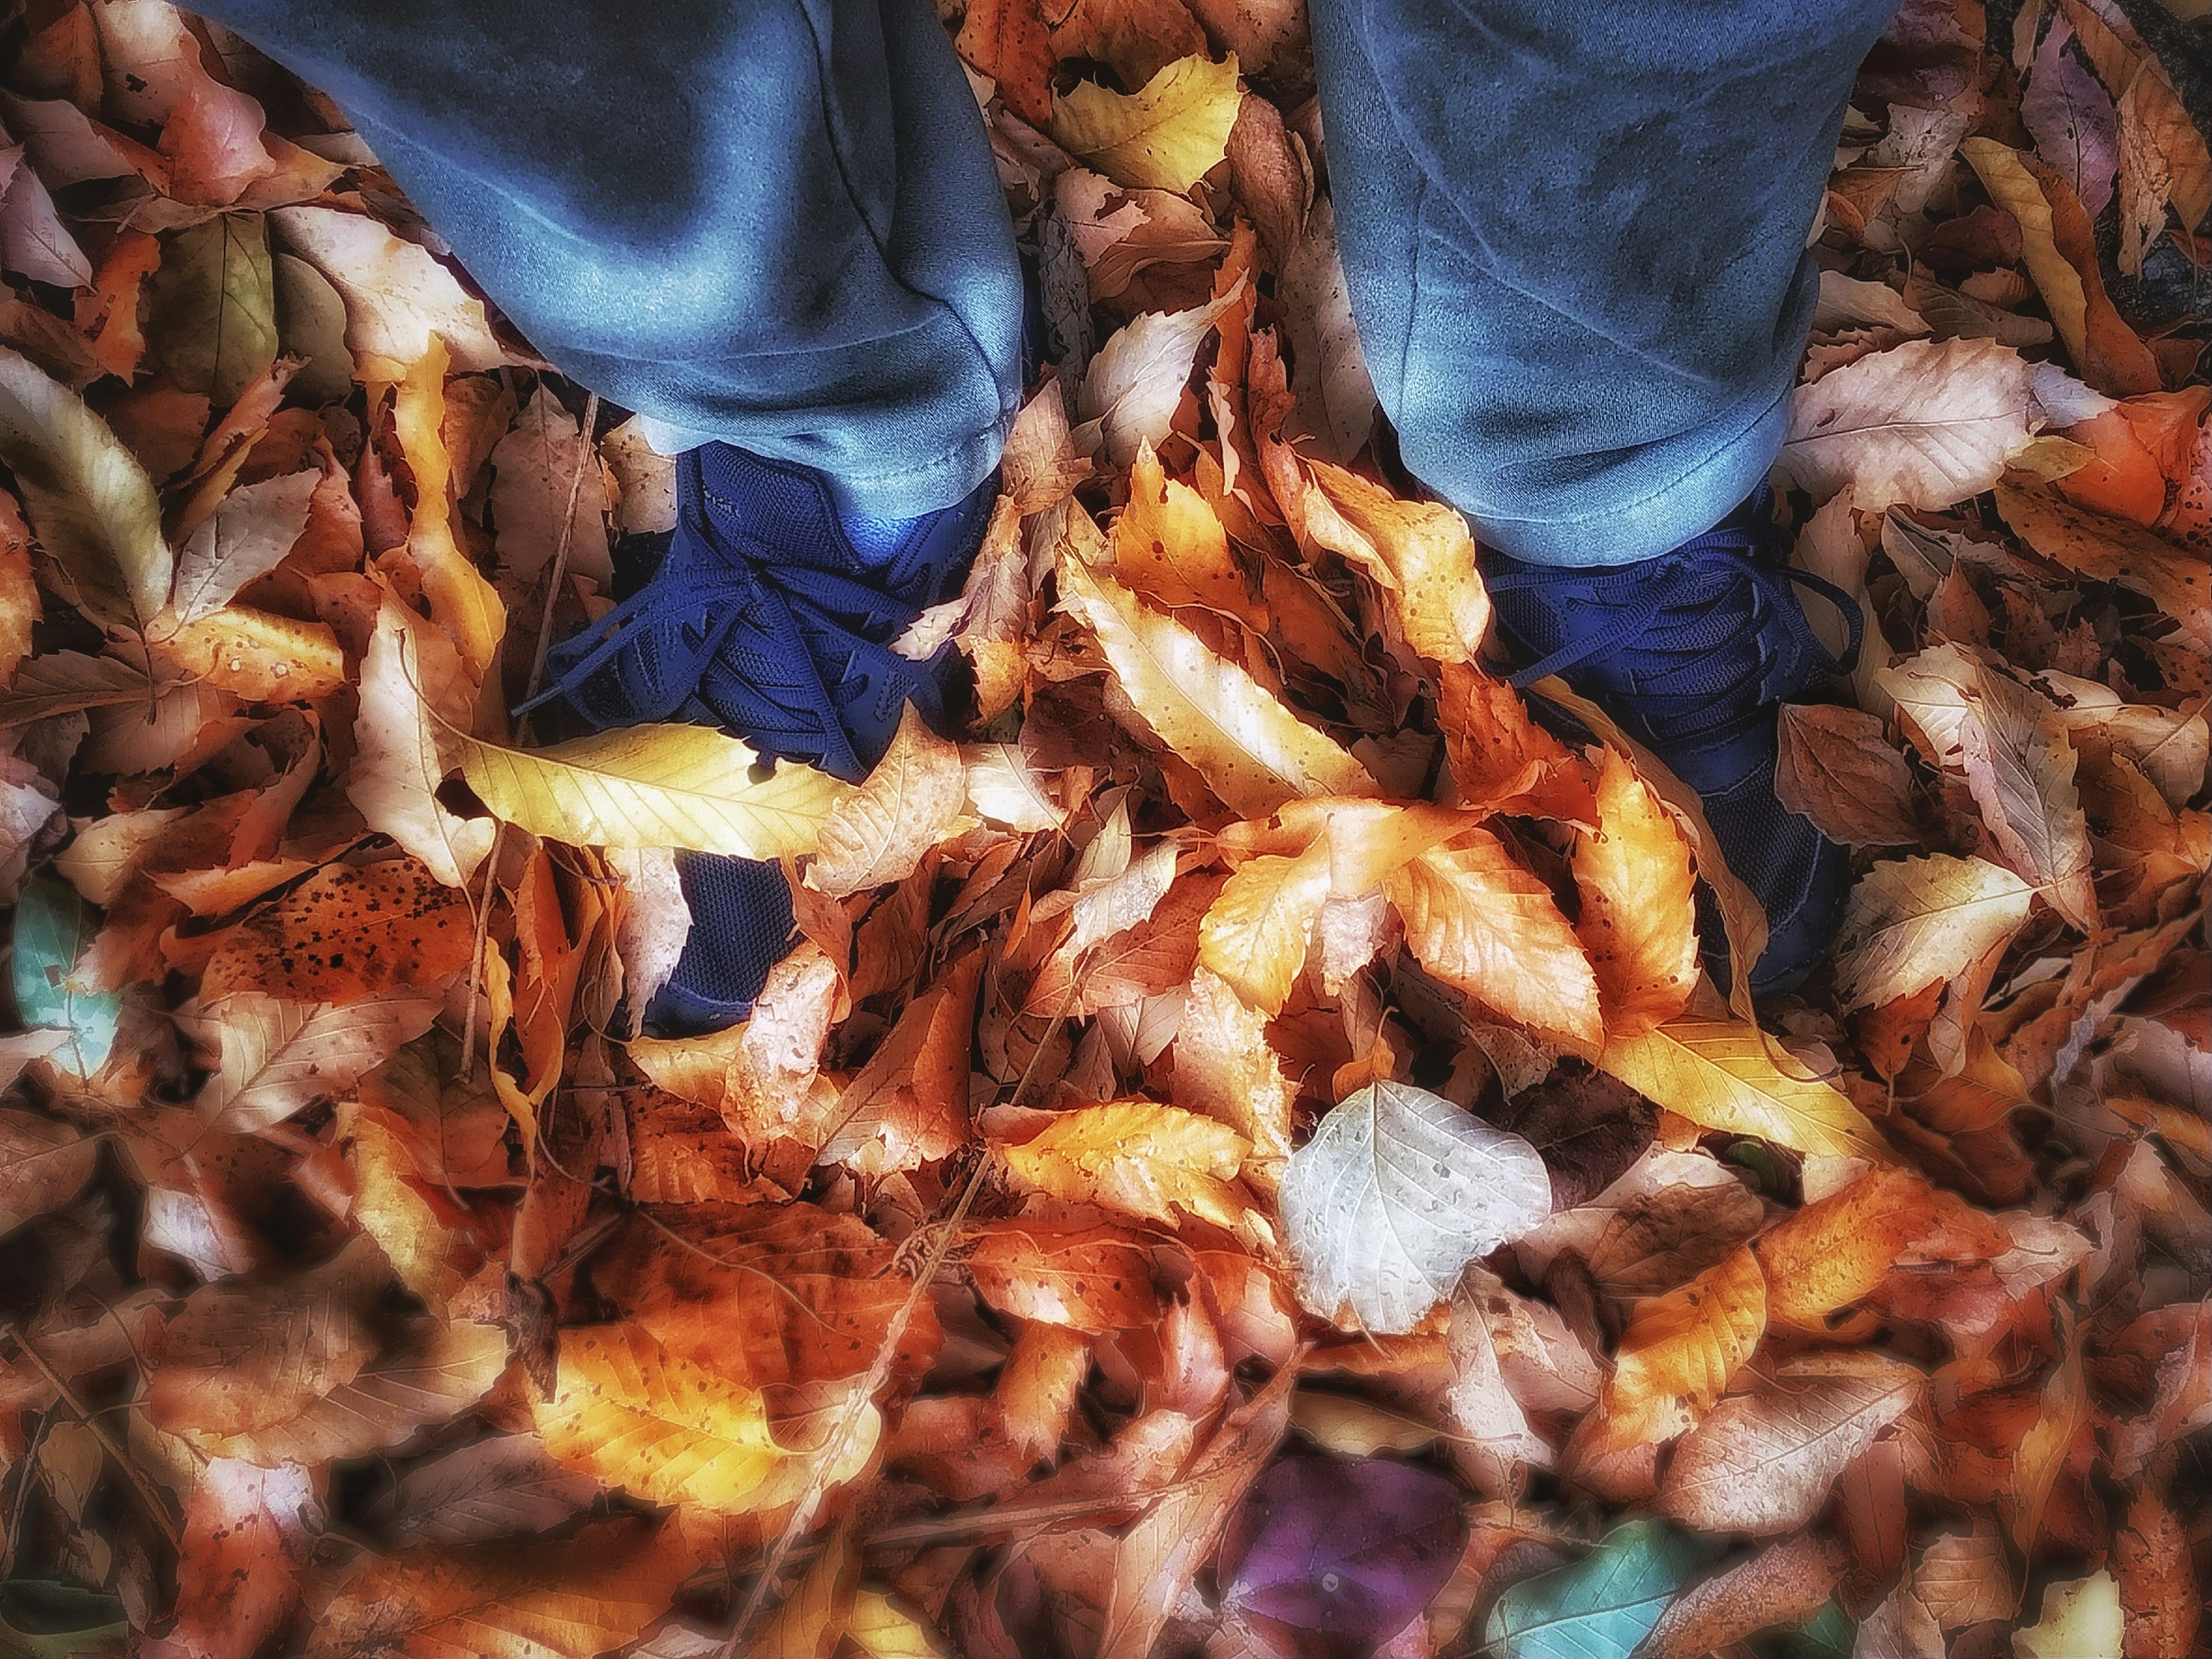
{"x":1341,"y":1547}
{"x":2071,"y":117}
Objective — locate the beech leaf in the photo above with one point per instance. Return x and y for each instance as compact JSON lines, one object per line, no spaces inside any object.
{"x":44,"y":1163}
{"x":398,"y":765}
{"x":877,"y":833}
{"x":90,"y":500}
{"x":1252,"y":752}
{"x":1723,"y":1075}
{"x":682,"y":786}
{"x":1398,"y":1190}
{"x":52,"y":928}
{"x":279,"y":1058}
{"x":397,"y":298}
{"x":1165,"y":136}
{"x":1914,"y":922}
{"x":1763,"y":1462}
{"x":247,"y":536}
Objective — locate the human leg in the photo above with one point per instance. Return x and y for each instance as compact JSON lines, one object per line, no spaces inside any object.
{"x":774,"y":227}
{"x":1574,"y":242}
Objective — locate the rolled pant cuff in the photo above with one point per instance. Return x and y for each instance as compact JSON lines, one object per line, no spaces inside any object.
{"x":1633,"y":521}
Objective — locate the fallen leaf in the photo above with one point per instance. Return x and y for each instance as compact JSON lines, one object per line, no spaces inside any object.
{"x":1637,"y":922}
{"x":90,"y":500}
{"x":1763,"y":1462}
{"x":1604,"y":1604}
{"x":1680,"y":1353}
{"x":1723,"y":1075}
{"x":1838,"y":769}
{"x":397,"y":298}
{"x":247,"y":536}
{"x":1162,"y":137}
{"x":1143,"y":1159}
{"x":877,"y":833}
{"x":1916,"y":922}
{"x":279,"y":1058}
{"x":398,"y":766}
{"x":682,"y":786}
{"x":2080,"y":1619}
{"x":1398,"y":1190}
{"x":1252,"y":751}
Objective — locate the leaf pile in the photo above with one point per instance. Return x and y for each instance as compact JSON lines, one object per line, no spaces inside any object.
{"x":1241,"y":1156}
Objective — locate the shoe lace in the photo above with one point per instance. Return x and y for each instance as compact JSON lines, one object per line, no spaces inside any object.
{"x":1673,"y":655}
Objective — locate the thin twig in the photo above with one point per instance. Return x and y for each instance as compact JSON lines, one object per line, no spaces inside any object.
{"x":476,"y":957}
{"x":561,"y":551}
{"x":156,"y":1508}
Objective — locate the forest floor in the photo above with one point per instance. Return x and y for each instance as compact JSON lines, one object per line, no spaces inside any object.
{"x":1241,"y":1159}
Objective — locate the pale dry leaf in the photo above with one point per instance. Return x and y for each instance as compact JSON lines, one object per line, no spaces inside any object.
{"x":1637,"y":918}
{"x":2020,"y":765}
{"x":278,"y":1058}
{"x":1398,"y":1190}
{"x":1328,"y":373}
{"x":1763,"y":1462}
{"x":1133,"y":385}
{"x":247,"y":536}
{"x":397,"y":298}
{"x":655,"y":925}
{"x":398,"y":765}
{"x":1251,"y":749}
{"x":1911,"y":923}
{"x":534,"y":467}
{"x":1926,"y":423}
{"x":1004,"y":789}
{"x":877,"y":833}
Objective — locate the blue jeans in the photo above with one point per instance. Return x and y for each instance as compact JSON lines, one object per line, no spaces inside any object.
{"x":1574,"y":235}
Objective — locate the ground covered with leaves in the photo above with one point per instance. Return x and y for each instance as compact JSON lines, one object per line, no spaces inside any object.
{"x":1242,"y":1159}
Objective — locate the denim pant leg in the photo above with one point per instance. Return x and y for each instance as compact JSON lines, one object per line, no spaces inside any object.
{"x":773,"y":223}
{"x":1575,"y":240}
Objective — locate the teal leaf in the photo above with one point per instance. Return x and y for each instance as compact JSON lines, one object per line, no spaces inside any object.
{"x":1604,"y":1605}
{"x":52,"y":927}
{"x":1828,"y":1634}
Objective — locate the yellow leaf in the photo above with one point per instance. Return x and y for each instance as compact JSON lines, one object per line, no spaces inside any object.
{"x":1912,"y":922}
{"x":682,"y":786}
{"x":1478,"y":920}
{"x":462,"y":602}
{"x":1638,"y":916}
{"x":2014,"y":189}
{"x":1169,"y":546}
{"x":636,"y":1416}
{"x":258,"y":657}
{"x":1679,"y":1351}
{"x":1251,"y":750}
{"x":877,"y":834}
{"x":1255,"y":935}
{"x":882,"y":1630}
{"x":1421,"y":553}
{"x":1719,"y":1073}
{"x":1142,"y":1158}
{"x":1166,"y":136}
{"x":2080,"y":1618}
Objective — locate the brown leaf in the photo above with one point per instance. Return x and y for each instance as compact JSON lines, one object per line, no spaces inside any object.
{"x":1782,"y":1584}
{"x":1836,"y":769}
{"x":245,"y":1539}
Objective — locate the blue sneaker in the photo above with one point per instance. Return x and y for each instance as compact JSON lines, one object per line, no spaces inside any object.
{"x":768,"y":612}
{"x":1693,"y":652}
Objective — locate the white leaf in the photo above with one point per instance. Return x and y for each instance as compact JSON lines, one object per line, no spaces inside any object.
{"x":1138,"y":377}
{"x":397,"y":766}
{"x":1927,"y":423}
{"x":1913,"y":922}
{"x":655,"y":925}
{"x":1396,"y":1192}
{"x":1336,"y":397}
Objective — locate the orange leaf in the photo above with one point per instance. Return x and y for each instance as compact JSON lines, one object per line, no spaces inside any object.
{"x":1679,"y":1353}
{"x":1638,"y":919}
{"x":1479,"y":921}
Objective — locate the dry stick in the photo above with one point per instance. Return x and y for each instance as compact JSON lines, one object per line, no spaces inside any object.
{"x":561,"y":552}
{"x":802,"y":1515}
{"x":537,"y":674}
{"x":155,"y":1509}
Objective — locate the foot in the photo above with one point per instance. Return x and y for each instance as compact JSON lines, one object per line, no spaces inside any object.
{"x":769,"y":613}
{"x":1692,"y":652}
